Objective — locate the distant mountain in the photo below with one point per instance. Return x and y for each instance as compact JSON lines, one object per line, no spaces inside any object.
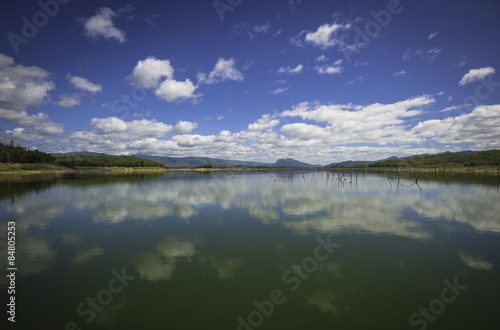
{"x":195,"y":161}
{"x":83,"y":153}
{"x":351,"y":163}
{"x":288,"y":162}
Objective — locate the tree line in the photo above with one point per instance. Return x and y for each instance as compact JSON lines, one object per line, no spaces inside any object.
{"x":9,"y":153}
{"x":490,"y":157}
{"x":106,"y":161}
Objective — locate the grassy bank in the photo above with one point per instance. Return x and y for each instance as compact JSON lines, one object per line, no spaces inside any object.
{"x":442,"y":169}
{"x":45,"y":168}
{"x":32,"y":168}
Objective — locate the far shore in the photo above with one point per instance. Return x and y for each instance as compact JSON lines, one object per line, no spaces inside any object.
{"x":45,"y":168}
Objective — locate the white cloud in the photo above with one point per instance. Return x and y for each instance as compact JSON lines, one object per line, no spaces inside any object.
{"x":252,"y":32}
{"x":452,"y":108}
{"x":433,"y":53}
{"x":21,"y":86}
{"x":298,"y":69}
{"x":101,"y":25}
{"x":463,"y":61}
{"x":148,"y":73}
{"x":108,"y":125}
{"x":293,"y":4}
{"x":114,"y":133}
{"x":429,"y":55}
{"x":140,"y":129}
{"x":84,"y":84}
{"x":336,"y":68}
{"x":407,"y":55}
{"x":400,"y":73}
{"x":224,"y":70}
{"x":265,"y":122}
{"x":476,"y":74}
{"x":375,"y":123}
{"x":321,"y":58}
{"x":433,"y":35}
{"x":262,"y":28}
{"x":69,"y":101}
{"x":279,"y":90}
{"x":184,"y":127}
{"x":176,"y":91}
{"x":326,"y":35}
{"x":480,"y":128}
{"x":22,"y":135}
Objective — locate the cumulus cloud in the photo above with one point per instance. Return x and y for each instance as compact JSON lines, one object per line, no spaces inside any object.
{"x":336,"y":68}
{"x":313,"y":132}
{"x":375,"y":123}
{"x":321,"y":58}
{"x":298,"y":69}
{"x":480,"y":128}
{"x":159,"y":74}
{"x":22,"y":87}
{"x":148,"y":73}
{"x":475,"y":75}
{"x":176,"y":91}
{"x":184,"y":127}
{"x":69,"y":101}
{"x":400,"y":73}
{"x":108,"y":125}
{"x":101,"y":25}
{"x":224,"y":70}
{"x":265,"y":122}
{"x":327,"y":35}
{"x":132,"y":130}
{"x":84,"y":84}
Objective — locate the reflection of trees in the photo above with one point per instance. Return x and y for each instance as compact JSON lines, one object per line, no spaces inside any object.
{"x":12,"y":189}
{"x":17,"y":186}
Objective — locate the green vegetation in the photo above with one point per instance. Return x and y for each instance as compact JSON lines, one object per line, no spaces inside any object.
{"x":205,"y":166}
{"x":18,"y":154}
{"x":106,"y":161}
{"x":490,"y":157}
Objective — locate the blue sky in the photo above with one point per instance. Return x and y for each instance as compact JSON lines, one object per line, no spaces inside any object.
{"x":318,"y":81}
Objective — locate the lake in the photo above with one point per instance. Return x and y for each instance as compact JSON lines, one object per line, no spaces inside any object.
{"x":247,"y":250}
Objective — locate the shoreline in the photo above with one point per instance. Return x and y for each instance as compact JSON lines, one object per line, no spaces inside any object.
{"x":7,"y":169}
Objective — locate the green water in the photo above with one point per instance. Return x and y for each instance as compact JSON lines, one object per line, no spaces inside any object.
{"x":251,"y":251}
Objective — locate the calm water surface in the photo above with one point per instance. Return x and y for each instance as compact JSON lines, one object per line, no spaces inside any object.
{"x":252,"y":250}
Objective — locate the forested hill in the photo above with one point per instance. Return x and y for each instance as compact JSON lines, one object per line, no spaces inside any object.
{"x":9,"y":153}
{"x":490,"y":157}
{"x":106,"y":161}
